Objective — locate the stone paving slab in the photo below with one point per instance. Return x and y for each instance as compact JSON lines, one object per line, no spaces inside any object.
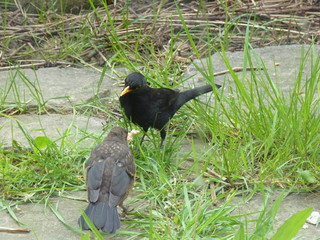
{"x":45,"y":225}
{"x":42,"y":221}
{"x":59,"y":87}
{"x":282,"y":64}
{"x":54,"y":126}
{"x":293,"y":203}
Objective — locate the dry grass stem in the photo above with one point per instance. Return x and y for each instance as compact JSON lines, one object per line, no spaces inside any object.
{"x":24,"y":35}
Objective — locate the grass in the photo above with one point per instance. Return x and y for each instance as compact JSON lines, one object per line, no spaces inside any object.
{"x":253,"y":137}
{"x":42,"y":169}
{"x":273,"y":135}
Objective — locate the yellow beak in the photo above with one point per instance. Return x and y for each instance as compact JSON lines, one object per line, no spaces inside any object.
{"x":125,"y":91}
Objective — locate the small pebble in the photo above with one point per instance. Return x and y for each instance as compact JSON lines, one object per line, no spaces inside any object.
{"x":314,"y":218}
{"x":305,"y":226}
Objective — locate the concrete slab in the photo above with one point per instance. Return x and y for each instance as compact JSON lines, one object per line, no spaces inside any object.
{"x":42,"y":221}
{"x":293,"y":203}
{"x":282,"y":64}
{"x":45,"y":225}
{"x":60,"y":87}
{"x":54,"y":126}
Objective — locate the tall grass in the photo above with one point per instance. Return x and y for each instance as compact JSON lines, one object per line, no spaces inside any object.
{"x":272,"y":134}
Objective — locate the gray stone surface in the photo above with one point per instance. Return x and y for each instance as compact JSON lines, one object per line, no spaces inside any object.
{"x":45,"y":225}
{"x":41,"y":220}
{"x":281,"y":62}
{"x":293,"y":203}
{"x":54,"y":126}
{"x":61,"y":88}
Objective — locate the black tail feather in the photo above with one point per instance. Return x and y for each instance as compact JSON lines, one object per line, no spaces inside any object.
{"x":187,"y":95}
{"x":102,"y":216}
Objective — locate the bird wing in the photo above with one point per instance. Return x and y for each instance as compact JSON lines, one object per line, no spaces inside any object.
{"x":94,"y":179}
{"x":122,"y":177}
{"x":162,"y":106}
{"x":111,"y":169}
{"x":126,"y":104}
{"x":164,"y":97}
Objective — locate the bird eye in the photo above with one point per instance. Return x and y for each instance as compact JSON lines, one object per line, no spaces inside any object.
{"x":136,"y":87}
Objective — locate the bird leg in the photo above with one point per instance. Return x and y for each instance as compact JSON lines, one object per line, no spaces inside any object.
{"x":145,"y":130}
{"x":163,"y":136}
{"x":125,"y":210}
{"x":142,"y":138}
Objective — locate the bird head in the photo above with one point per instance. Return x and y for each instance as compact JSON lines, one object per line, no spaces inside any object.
{"x":132,"y":82}
{"x":117,"y":134}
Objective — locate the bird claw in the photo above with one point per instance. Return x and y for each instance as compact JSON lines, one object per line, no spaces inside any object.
{"x":125,"y":210}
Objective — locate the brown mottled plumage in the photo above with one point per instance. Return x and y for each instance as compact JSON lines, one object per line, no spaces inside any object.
{"x":110,"y":177}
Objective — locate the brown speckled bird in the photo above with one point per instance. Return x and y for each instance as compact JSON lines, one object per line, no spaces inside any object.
{"x":110,"y":177}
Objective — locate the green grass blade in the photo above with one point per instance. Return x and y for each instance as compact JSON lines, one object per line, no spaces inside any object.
{"x":61,"y":219}
{"x":12,"y":214}
{"x":91,"y":226}
{"x":186,"y":29}
{"x":291,"y":226}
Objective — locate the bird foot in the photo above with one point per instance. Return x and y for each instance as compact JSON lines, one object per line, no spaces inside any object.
{"x":125,"y":210}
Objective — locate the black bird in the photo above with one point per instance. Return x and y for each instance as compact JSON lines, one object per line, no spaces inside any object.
{"x":154,"y":107}
{"x":110,"y":177}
